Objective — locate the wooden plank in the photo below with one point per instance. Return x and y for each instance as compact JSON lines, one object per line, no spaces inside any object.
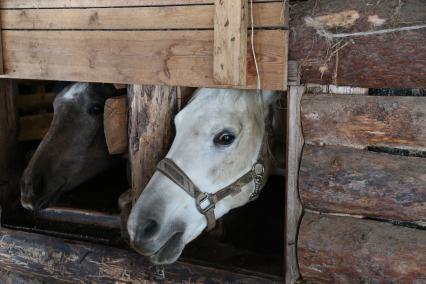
{"x":1,"y":47}
{"x":230,"y":42}
{"x":115,"y":125}
{"x":293,"y":206}
{"x":348,"y":250}
{"x":144,"y":18}
{"x":387,"y":60}
{"x":34,"y":102}
{"x":151,"y":130}
{"x":34,"y":127}
{"x":34,"y":4}
{"x":9,"y":158}
{"x":58,"y":260}
{"x":350,"y":181}
{"x":150,"y":57}
{"x":361,"y":121}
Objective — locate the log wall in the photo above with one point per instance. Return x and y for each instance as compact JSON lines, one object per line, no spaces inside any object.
{"x":363,"y":156}
{"x":388,"y":60}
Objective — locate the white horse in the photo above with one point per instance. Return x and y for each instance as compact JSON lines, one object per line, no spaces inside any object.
{"x":219,"y":160}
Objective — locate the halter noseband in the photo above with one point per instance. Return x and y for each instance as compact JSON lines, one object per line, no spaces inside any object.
{"x":206,"y":202}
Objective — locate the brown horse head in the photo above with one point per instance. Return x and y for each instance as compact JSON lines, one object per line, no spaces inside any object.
{"x":73,"y":150}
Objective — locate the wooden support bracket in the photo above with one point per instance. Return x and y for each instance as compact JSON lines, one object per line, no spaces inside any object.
{"x":230,"y":42}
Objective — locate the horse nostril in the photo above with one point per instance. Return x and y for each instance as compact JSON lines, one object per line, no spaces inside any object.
{"x":148,"y":230}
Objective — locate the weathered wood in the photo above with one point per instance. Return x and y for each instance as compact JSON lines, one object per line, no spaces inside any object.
{"x":230,"y":42}
{"x":388,"y":60}
{"x":348,"y":250}
{"x":58,"y":260}
{"x":361,"y":121}
{"x":151,"y":130}
{"x":19,"y":4}
{"x":34,"y":102}
{"x":8,"y":143}
{"x":1,"y":47}
{"x":115,"y":125}
{"x":178,"y":17}
{"x":346,"y":180}
{"x":34,"y":127}
{"x":168,"y":57}
{"x":293,"y":206}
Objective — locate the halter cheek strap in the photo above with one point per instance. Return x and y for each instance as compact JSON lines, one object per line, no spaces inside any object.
{"x":206,"y":202}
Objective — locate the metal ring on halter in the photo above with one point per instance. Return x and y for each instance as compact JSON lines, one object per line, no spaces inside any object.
{"x":201,"y":199}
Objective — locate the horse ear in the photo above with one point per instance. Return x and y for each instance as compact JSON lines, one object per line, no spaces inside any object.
{"x":270,"y":97}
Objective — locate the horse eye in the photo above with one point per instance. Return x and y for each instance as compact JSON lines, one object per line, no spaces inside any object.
{"x":224,"y":138}
{"x":96,"y":109}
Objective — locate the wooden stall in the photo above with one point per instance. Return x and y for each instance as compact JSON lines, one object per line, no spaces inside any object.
{"x":355,"y":188}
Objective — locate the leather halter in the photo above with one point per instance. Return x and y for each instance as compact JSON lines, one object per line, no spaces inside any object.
{"x":206,"y":202}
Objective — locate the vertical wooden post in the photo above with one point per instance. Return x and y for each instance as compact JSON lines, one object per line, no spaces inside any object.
{"x":9,"y":162}
{"x":230,"y":42}
{"x":293,"y":206}
{"x":1,"y":50}
{"x":151,"y":130}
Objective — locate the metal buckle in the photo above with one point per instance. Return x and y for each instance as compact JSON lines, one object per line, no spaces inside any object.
{"x":258,"y":171}
{"x":203,"y":197}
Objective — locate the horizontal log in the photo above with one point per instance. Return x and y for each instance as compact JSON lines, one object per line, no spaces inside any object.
{"x":144,"y":18}
{"x":58,"y":260}
{"x":34,"y":127}
{"x":20,"y":4}
{"x":348,"y":250}
{"x":387,"y":60}
{"x":34,"y":102}
{"x":80,"y":216}
{"x":346,"y":180}
{"x":148,"y":57}
{"x":361,"y":121}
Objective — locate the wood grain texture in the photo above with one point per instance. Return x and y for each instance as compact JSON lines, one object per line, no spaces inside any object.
{"x":34,"y":127}
{"x":393,"y":60}
{"x":230,"y":42}
{"x":116,"y":124}
{"x":8,"y":143}
{"x":293,"y":205}
{"x":19,"y":4}
{"x":133,"y":18}
{"x":151,"y":130}
{"x":54,"y":260}
{"x":361,"y":121}
{"x":357,"y":182}
{"x":348,"y":250}
{"x":150,"y":57}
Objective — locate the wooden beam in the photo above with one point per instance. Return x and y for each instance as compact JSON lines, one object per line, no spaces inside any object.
{"x":9,"y":159}
{"x":293,"y":207}
{"x":115,"y":125}
{"x":19,"y":4}
{"x":357,"y":182}
{"x":34,"y":127}
{"x":230,"y":42}
{"x":361,"y":121}
{"x":151,"y":130}
{"x":58,"y":260}
{"x":133,"y":18}
{"x":169,"y":57}
{"x":387,"y":60}
{"x":348,"y":250}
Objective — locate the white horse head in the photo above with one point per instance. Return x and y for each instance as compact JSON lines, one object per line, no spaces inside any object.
{"x":219,"y":137}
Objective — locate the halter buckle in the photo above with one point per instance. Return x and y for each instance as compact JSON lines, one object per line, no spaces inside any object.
{"x":258,"y":172}
{"x":202,"y":204}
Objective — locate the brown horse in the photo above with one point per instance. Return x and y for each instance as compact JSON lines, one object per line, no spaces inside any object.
{"x":74,"y":149}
